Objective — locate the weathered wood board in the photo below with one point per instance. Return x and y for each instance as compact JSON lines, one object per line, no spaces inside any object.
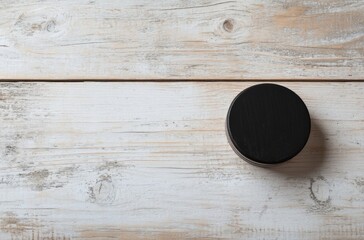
{"x":151,"y":161}
{"x":203,"y":39}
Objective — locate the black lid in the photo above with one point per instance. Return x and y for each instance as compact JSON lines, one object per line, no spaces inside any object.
{"x":268,"y":124}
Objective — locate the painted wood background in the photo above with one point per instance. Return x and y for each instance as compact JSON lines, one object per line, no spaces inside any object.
{"x":174,"y":39}
{"x":151,"y":161}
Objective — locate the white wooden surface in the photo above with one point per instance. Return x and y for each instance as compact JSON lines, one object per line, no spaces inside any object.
{"x":175,"y":39}
{"x":151,"y":161}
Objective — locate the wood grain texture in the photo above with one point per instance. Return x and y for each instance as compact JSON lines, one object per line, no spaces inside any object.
{"x":151,"y":161}
{"x":203,"y":39}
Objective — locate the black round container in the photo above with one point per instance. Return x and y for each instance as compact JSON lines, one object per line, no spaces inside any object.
{"x":267,"y":124}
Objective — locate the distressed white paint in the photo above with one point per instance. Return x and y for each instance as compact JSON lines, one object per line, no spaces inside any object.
{"x":203,"y":39}
{"x":151,"y":161}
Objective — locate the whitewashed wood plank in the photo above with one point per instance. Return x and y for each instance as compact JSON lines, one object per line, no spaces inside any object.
{"x":151,"y":161}
{"x":203,"y":39}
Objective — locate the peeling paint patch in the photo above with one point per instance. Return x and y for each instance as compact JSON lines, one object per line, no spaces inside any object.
{"x":109,"y":165}
{"x":38,"y":179}
{"x":10,"y":150}
{"x":15,"y":226}
{"x":359,"y":183}
{"x":137,"y":234}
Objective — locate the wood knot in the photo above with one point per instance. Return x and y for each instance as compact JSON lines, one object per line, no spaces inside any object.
{"x":103,"y":192}
{"x":228,"y":25}
{"x":42,"y":23}
{"x":320,"y":190}
{"x":320,"y":193}
{"x":51,"y":26}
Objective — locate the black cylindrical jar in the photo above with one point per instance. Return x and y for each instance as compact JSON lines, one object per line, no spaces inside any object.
{"x":267,"y":124}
